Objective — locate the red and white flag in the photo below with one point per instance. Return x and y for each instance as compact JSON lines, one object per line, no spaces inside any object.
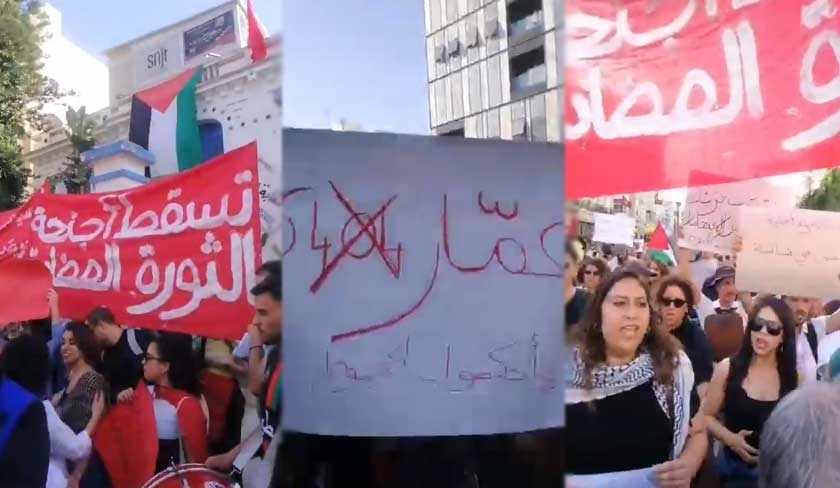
{"x":256,"y":36}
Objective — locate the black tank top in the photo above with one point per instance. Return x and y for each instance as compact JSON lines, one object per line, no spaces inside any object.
{"x":744,"y":413}
{"x":626,"y":431}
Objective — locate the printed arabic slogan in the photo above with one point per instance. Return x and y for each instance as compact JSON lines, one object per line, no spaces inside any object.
{"x":178,"y":253}
{"x":422,"y":285}
{"x":745,"y":88}
{"x":779,"y":245}
{"x":710,"y":221}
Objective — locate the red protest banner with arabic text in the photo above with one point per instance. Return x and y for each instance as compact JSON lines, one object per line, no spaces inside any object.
{"x":177,"y":254}
{"x":655,"y":90}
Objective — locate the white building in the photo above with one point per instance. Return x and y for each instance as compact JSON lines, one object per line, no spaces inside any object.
{"x":72,"y":68}
{"x":238,"y":102}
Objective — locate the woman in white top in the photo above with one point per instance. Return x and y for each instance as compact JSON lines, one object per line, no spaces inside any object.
{"x":25,"y":360}
{"x":65,"y":445}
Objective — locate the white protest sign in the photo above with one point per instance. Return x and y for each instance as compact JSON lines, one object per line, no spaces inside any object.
{"x":421,"y":285}
{"x":710,"y":220}
{"x":790,"y":252}
{"x":614,"y":229}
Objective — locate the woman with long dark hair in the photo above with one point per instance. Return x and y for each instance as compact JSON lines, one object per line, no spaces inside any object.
{"x":627,"y":394}
{"x":75,"y":403}
{"x":577,"y":299}
{"x":746,"y":387}
{"x":171,"y":369}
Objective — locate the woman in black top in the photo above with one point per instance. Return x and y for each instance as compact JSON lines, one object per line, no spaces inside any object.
{"x":627,"y":397}
{"x":674,"y":299}
{"x":746,"y":387}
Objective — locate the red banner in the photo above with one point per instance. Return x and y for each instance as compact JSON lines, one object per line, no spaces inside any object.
{"x":178,"y":253}
{"x":746,"y":88}
{"x":28,"y":281}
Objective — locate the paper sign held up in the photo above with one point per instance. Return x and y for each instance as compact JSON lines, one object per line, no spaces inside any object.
{"x":711,"y":220}
{"x":791,"y":252}
{"x":421,"y":284}
{"x":614,"y":229}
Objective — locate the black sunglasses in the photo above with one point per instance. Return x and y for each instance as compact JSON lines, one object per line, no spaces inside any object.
{"x":772,"y":328}
{"x":591,"y":272}
{"x":676,"y":302}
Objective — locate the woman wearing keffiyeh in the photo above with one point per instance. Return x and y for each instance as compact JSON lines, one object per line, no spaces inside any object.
{"x":627,"y":395}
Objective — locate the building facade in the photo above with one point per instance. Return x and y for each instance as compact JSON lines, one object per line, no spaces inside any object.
{"x":495,"y":68}
{"x":238,"y":102}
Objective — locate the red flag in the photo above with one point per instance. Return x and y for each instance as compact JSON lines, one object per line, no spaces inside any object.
{"x":28,"y":281}
{"x":256,"y":36}
{"x":659,"y":239}
{"x":126,"y":440}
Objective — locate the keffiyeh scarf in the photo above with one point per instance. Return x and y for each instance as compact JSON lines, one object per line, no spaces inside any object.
{"x":612,"y":380}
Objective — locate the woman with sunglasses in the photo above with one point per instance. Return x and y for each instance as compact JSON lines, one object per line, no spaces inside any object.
{"x":746,"y":387}
{"x":171,"y":370}
{"x":674,"y":299}
{"x":592,"y":271}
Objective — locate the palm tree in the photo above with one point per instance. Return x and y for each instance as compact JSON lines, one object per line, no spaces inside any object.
{"x":75,"y":174}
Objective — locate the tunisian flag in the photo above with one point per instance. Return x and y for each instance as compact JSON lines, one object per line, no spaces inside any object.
{"x":256,"y":36}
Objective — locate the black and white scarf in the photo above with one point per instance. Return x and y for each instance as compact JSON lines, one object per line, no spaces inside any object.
{"x":612,"y":380}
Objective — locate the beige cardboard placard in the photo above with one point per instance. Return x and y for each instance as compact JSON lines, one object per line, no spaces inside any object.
{"x":710,"y":220}
{"x":791,"y":252}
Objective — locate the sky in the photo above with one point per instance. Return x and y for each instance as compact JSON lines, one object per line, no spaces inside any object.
{"x":360,"y":60}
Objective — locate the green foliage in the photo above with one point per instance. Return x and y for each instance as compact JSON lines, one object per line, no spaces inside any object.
{"x":23,"y":93}
{"x":75,"y":174}
{"x":826,"y":196}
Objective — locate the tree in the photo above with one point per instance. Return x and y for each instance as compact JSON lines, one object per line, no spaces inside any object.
{"x":75,"y":174}
{"x":23,"y":93}
{"x":826,"y":196}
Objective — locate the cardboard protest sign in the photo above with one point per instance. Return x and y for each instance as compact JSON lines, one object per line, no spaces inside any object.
{"x":422,"y":284}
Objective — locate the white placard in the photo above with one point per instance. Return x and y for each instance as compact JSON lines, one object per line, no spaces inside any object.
{"x":789,"y":252}
{"x":710,"y":220}
{"x":614,"y":229}
{"x":421,"y":285}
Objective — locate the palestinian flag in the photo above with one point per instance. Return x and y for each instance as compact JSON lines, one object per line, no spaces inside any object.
{"x":659,"y":247}
{"x":164,"y":121}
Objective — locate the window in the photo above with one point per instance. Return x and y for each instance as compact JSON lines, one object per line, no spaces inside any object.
{"x":212,"y":139}
{"x":524,"y":17}
{"x":434,"y":13}
{"x":453,"y":47}
{"x":454,"y":133}
{"x":457,"y":93}
{"x":537,"y":125}
{"x":440,"y":54}
{"x":472,"y":35}
{"x":493,"y":127}
{"x":474,"y":84}
{"x":494,"y":81}
{"x":527,"y":70}
{"x":518,"y":125}
{"x":451,"y":11}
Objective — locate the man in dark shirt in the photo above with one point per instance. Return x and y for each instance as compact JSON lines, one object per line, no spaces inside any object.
{"x":24,"y":438}
{"x":122,"y":353}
